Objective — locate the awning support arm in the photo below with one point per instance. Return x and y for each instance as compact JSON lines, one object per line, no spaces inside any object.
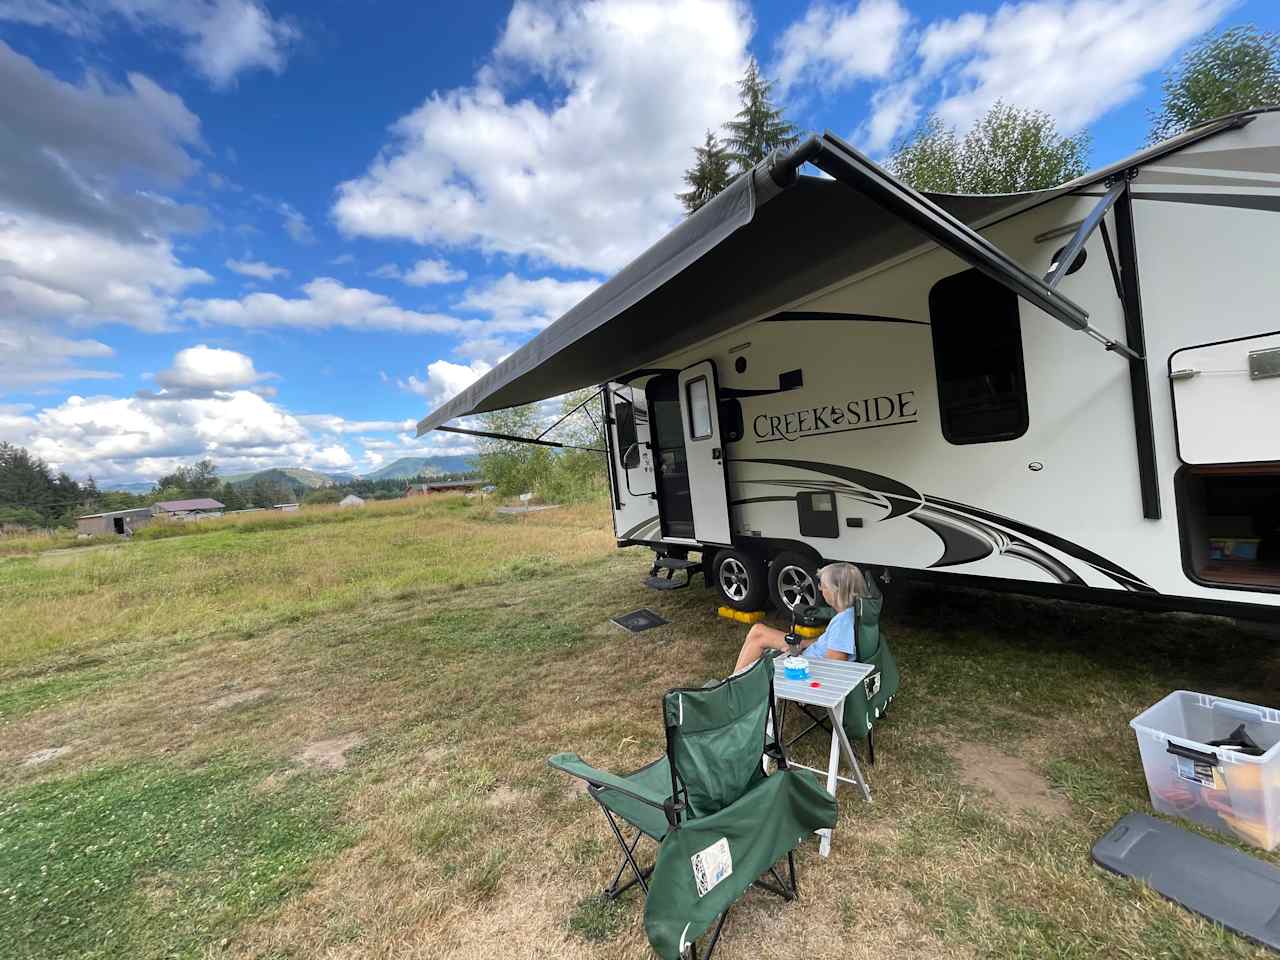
{"x":570,"y":414}
{"x":1058,"y":269}
{"x":488,"y":435}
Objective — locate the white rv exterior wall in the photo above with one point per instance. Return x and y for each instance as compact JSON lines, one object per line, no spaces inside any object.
{"x":1207,"y":274}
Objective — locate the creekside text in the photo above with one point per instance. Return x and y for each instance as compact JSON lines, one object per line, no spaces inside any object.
{"x":854,"y":415}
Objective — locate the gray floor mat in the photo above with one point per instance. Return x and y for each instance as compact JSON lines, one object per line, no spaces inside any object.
{"x":1238,"y":891}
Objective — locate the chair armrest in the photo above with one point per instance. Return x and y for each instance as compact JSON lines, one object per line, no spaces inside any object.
{"x":575,"y":766}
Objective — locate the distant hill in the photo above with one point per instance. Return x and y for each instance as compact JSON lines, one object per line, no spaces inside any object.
{"x":407,"y":468}
{"x":311,"y":479}
{"x":138,"y":486}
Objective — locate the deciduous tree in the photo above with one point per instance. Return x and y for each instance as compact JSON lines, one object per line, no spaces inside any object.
{"x":1237,"y":69}
{"x":1006,"y":151}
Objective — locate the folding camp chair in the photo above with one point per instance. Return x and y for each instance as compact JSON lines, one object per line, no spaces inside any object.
{"x":720,"y":823}
{"x":868,"y":702}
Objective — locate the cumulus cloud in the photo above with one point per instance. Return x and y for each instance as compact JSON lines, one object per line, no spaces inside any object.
{"x":203,"y":369}
{"x":424,"y":273}
{"x":834,"y":46}
{"x":330,"y":423}
{"x":221,"y":38}
{"x":1074,"y":59}
{"x":74,"y":153}
{"x":444,"y":380}
{"x":582,"y":177}
{"x":295,"y":224}
{"x":50,"y":271}
{"x":257,"y":269}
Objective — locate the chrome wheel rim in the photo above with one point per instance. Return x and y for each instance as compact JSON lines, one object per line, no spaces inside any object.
{"x":734,"y":579}
{"x":796,"y":587}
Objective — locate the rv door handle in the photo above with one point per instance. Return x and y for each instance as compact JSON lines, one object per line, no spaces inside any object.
{"x":715,"y":453}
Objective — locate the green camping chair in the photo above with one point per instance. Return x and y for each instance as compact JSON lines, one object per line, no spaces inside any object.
{"x":870,"y":700}
{"x":720,"y":822}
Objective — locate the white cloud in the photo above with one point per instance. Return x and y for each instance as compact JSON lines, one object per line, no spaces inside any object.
{"x":491,"y":350}
{"x":444,"y":380}
{"x":256,"y":268}
{"x":835,"y":46}
{"x":330,"y":423}
{"x":223,"y":38}
{"x":424,"y":273}
{"x":134,"y":438}
{"x":388,"y":271}
{"x":327,"y":303}
{"x":1074,"y":59}
{"x":57,"y":271}
{"x":583,"y":177}
{"x":517,"y":304}
{"x":342,"y":259}
{"x":205,"y":369}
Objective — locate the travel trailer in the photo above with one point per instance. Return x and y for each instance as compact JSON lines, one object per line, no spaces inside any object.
{"x":1070,"y":391}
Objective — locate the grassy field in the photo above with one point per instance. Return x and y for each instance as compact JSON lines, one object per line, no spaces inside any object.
{"x":327,"y":739}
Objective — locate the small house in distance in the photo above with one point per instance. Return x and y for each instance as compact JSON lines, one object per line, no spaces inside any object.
{"x":442,"y":486}
{"x":351,"y":500}
{"x":121,"y":522}
{"x":188,"y":509}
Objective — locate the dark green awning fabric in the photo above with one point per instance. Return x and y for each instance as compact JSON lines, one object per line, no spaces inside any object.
{"x":750,"y":252}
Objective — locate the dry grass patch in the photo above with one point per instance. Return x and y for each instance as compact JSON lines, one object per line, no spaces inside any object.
{"x":464,"y":649}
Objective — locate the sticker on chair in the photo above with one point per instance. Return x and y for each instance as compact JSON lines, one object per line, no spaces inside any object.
{"x":712,"y":865}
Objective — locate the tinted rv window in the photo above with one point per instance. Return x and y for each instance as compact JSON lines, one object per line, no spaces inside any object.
{"x":628,"y":447}
{"x":977,"y":352}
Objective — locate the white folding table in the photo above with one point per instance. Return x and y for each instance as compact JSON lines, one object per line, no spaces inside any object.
{"x":835,"y":680}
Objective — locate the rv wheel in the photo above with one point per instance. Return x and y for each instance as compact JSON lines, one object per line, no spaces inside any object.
{"x":740,"y":580}
{"x":793,"y":582}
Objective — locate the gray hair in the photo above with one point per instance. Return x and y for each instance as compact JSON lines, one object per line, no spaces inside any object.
{"x":845,"y":582}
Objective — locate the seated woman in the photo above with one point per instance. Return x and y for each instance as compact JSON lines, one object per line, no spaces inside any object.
{"x":841,"y":585}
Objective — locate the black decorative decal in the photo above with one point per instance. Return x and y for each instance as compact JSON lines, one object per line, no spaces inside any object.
{"x":958,"y":544}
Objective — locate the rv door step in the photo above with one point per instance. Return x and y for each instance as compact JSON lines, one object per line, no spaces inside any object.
{"x":664,"y":583}
{"x":675,"y":563}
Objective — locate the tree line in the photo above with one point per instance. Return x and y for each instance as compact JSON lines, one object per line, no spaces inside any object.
{"x":1009,"y":149}
{"x":33,"y":495}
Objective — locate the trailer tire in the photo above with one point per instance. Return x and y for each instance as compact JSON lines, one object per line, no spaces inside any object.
{"x":740,"y":579}
{"x":793,"y":581}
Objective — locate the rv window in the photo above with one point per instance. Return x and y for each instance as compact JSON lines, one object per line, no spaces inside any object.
{"x":977,"y":353}
{"x":699,"y":408}
{"x":628,"y":445}
{"x":1229,"y":521}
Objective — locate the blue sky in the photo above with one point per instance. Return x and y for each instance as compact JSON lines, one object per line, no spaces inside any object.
{"x":278,"y":233}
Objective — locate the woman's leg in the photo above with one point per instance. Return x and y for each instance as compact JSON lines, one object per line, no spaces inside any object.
{"x":759,"y":639}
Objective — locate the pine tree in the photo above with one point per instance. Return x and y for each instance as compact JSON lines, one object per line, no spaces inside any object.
{"x":759,"y":127}
{"x":708,"y":175}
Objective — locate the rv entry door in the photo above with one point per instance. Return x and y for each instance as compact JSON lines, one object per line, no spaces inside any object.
{"x":708,"y":488}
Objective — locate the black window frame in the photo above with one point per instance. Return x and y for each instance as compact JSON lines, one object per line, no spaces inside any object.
{"x":1011,"y":311}
{"x":1183,"y":479}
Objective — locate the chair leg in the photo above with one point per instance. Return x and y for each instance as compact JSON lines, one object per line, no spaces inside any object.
{"x":715,"y":937}
{"x":612,"y":890}
{"x":629,"y":861}
{"x":791,"y":866}
{"x":871,"y":748}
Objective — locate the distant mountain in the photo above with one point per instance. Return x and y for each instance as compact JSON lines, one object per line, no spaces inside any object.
{"x":406,"y":468}
{"x":138,"y":486}
{"x":311,"y":479}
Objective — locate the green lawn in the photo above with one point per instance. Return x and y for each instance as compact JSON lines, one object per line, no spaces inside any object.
{"x":327,"y":739}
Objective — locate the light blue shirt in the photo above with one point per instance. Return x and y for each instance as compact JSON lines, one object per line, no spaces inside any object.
{"x":838,"y":636}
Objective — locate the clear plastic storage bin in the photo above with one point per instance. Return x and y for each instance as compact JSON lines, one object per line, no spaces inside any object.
{"x":1193,"y":771}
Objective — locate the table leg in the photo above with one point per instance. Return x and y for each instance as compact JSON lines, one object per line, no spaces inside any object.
{"x":833,"y":768}
{"x":837,"y":730}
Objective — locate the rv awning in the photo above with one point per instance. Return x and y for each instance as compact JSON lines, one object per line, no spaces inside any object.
{"x":755,"y":248}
